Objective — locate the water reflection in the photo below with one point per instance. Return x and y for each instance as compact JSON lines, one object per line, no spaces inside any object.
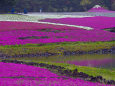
{"x":101,"y":60}
{"x":92,"y":60}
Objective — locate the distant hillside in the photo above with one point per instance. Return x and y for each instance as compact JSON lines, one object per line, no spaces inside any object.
{"x":54,"y":5}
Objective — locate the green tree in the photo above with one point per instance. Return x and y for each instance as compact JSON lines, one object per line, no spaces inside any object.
{"x":113,"y":5}
{"x":85,"y":4}
{"x":54,"y":5}
{"x":6,"y":5}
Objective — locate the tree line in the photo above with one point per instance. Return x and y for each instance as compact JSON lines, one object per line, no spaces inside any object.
{"x":53,"y":5}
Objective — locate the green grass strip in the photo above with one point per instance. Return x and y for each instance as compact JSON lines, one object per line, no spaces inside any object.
{"x":55,"y":47}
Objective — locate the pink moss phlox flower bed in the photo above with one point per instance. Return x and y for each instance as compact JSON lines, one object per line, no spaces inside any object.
{"x":19,"y":29}
{"x":22,"y":75}
{"x":11,"y":31}
{"x":12,"y":37}
{"x":100,"y":9}
{"x":10,"y":25}
{"x":99,"y":22}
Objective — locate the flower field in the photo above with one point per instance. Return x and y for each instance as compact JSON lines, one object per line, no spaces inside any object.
{"x":98,"y":8}
{"x":23,"y":75}
{"x":32,"y":32}
{"x":98,"y":22}
{"x":24,"y":35}
{"x":32,"y":36}
{"x":34,"y":18}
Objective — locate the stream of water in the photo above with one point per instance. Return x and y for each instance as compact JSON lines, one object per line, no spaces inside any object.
{"x":93,"y":60}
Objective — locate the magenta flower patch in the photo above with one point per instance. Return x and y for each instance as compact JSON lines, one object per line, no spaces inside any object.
{"x":23,"y":75}
{"x":98,"y":8}
{"x":13,"y":33}
{"x":97,"y":23}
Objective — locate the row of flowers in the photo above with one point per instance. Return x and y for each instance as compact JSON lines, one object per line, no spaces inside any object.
{"x":34,"y":17}
{"x":12,"y":31}
{"x":15,"y":17}
{"x":23,"y":75}
{"x":98,"y":22}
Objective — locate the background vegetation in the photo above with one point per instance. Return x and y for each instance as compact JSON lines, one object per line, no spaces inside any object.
{"x":54,"y":5}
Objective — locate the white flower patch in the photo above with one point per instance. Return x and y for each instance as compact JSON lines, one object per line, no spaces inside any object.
{"x":35,"y":18}
{"x":44,"y":16}
{"x":12,"y":17}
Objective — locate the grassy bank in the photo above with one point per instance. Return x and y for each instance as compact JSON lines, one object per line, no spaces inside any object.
{"x":55,"y":47}
{"x":107,"y":74}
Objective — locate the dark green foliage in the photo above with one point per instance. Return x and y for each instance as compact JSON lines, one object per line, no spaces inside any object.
{"x":54,"y":5}
{"x":6,"y":5}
